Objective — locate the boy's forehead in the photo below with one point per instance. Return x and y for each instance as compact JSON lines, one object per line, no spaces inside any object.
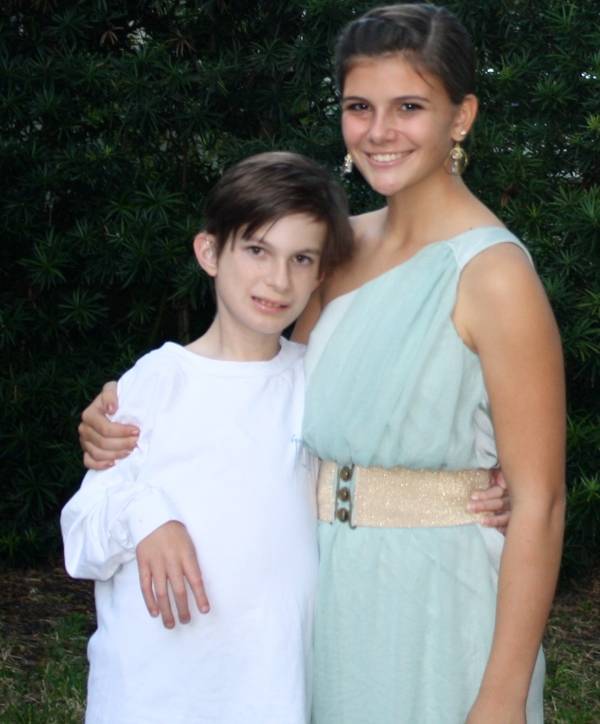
{"x":295,"y":227}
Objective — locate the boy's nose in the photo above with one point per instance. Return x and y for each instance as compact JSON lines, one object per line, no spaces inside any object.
{"x":279,"y":275}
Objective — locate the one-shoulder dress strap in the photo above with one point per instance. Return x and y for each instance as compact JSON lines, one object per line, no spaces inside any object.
{"x":470,"y":243}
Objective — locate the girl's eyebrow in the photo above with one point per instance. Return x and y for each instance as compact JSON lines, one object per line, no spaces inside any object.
{"x":402,"y":99}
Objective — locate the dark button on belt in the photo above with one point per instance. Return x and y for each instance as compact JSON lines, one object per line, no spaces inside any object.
{"x":346,"y":473}
{"x":344,"y":494}
{"x":343,"y":515}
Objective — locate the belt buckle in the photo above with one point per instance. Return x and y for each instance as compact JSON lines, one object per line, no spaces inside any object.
{"x":343,"y":494}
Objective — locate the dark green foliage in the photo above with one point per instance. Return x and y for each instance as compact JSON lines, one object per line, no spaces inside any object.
{"x":117,"y":117}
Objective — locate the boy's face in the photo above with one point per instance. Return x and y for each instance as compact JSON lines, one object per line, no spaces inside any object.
{"x":264,"y":282}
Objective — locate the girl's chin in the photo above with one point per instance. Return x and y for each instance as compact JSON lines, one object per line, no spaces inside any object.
{"x":384,"y":187}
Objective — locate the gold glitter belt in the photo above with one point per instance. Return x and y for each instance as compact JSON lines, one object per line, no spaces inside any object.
{"x":397,"y":497}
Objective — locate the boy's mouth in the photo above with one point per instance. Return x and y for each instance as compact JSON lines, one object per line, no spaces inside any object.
{"x":269,"y":306}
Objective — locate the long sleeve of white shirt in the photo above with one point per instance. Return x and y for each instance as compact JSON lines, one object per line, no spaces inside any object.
{"x":115,"y":509}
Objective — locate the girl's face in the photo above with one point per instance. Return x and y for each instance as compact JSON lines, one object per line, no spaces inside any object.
{"x":399,"y":125}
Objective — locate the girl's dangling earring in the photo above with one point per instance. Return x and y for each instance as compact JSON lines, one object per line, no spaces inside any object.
{"x":348,"y":164}
{"x":457,"y":160}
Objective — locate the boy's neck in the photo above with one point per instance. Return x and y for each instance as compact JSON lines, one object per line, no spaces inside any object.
{"x":215,"y":343}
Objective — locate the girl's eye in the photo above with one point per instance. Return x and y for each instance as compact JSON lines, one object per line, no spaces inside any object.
{"x":356,"y":107}
{"x":255,"y":250}
{"x":410,"y":107}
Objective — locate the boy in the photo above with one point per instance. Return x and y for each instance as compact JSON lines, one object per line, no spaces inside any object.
{"x":218,"y":477}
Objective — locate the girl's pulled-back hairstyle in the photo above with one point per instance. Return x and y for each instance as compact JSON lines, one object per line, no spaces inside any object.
{"x":262,"y":189}
{"x":430,"y":37}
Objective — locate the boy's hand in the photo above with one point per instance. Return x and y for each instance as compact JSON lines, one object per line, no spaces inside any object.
{"x":494,"y":500}
{"x":167,"y":558}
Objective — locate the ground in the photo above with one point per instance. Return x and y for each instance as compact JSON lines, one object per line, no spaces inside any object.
{"x":47,"y":618}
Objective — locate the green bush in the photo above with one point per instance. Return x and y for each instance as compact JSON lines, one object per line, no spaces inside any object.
{"x":116,"y":119}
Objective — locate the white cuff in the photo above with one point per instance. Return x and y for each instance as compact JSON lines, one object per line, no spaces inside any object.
{"x":147,"y":512}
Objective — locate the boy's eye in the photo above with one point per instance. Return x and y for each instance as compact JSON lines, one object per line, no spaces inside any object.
{"x":255,"y":250}
{"x":303,"y":259}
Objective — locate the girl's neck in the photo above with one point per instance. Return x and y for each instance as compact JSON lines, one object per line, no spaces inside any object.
{"x":435,"y":209}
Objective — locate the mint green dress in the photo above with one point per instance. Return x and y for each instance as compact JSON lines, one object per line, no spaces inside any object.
{"x":405,"y":616}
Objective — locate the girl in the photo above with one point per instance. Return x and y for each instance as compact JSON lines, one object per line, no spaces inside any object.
{"x":435,"y":355}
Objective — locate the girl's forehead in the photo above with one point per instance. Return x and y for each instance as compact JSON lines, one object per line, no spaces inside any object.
{"x":398,"y":73}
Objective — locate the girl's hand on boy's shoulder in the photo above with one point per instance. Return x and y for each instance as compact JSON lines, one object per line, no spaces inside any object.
{"x":167,"y":559}
{"x":102,"y":441}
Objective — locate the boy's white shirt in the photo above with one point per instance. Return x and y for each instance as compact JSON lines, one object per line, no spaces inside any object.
{"x":273,"y":535}
{"x":113,"y":510}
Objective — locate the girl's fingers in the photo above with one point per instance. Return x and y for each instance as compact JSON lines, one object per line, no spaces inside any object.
{"x":109,"y":398}
{"x":92,"y":441}
{"x":99,"y":455}
{"x":497,"y":478}
{"x":92,"y":464}
{"x":494,"y":491}
{"x":499,"y":521}
{"x":99,"y":429}
{"x":491,"y":505}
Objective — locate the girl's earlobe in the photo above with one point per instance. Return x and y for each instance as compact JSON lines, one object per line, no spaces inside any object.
{"x":205,"y":249}
{"x":466,"y":116}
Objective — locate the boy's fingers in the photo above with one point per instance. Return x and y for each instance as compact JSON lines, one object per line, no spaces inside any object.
{"x":177,"y":584}
{"x":194,"y":577}
{"x":147,"y":590}
{"x":164,"y":604}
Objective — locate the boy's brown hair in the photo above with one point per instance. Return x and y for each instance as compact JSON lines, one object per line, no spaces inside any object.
{"x":264,"y":188}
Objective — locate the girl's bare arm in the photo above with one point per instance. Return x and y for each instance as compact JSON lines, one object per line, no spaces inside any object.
{"x":510,"y":324}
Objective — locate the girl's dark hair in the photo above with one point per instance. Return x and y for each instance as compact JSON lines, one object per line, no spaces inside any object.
{"x":428,"y":36}
{"x":264,"y":188}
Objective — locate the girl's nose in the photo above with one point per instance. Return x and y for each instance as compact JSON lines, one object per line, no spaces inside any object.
{"x":382,"y":128}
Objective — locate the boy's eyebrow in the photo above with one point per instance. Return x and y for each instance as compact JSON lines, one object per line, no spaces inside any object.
{"x":315,"y":252}
{"x":263,"y":240}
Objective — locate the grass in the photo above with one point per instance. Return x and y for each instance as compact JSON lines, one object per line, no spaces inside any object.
{"x":43,"y":666}
{"x":50,"y":690}
{"x":572,"y":694}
